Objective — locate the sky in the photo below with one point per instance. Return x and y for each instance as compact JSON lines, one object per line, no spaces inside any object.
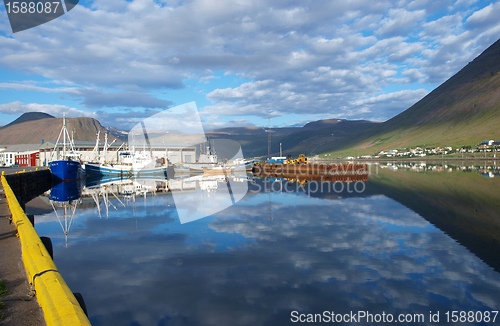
{"x":241,"y":62}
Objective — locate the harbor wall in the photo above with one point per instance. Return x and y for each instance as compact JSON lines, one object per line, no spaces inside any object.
{"x":29,"y":185}
{"x":59,"y":305}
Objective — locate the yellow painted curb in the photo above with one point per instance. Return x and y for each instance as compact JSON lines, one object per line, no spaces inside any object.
{"x":58,"y":303}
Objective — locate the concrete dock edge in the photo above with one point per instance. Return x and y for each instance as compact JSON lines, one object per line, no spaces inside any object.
{"x":58,"y":303}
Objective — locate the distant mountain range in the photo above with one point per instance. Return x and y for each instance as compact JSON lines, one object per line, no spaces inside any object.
{"x":254,"y":140}
{"x":293,"y":140}
{"x":464,"y":110}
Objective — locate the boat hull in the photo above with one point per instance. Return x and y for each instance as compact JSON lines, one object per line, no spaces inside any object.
{"x":119,"y":171}
{"x":66,"y":191}
{"x":65,"y":170}
{"x":247,"y":166}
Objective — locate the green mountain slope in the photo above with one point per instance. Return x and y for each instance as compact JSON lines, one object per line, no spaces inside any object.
{"x":464,"y":110}
{"x":32,"y":132}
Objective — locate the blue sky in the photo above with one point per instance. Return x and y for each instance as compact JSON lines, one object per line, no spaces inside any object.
{"x":240,"y":61}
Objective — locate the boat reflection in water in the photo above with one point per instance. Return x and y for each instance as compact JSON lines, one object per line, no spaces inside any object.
{"x":409,"y":243}
{"x":65,"y":196}
{"x":194,"y":196}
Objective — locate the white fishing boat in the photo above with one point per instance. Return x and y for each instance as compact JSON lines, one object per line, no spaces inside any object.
{"x":130,"y":164}
{"x":207,"y":160}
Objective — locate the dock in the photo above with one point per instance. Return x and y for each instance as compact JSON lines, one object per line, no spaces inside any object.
{"x":314,"y":172}
{"x":21,"y":308}
{"x":34,"y":260}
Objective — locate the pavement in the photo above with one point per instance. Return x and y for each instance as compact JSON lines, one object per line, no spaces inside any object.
{"x":10,"y":170}
{"x":20,"y":308}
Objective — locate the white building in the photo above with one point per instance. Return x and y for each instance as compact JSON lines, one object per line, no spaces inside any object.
{"x":8,"y":155}
{"x":488,"y":142}
{"x":87,"y":152}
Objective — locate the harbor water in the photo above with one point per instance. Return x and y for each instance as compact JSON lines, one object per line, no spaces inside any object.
{"x":417,"y":243}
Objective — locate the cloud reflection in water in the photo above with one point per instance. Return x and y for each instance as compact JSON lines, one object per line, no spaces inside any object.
{"x":248,"y":265}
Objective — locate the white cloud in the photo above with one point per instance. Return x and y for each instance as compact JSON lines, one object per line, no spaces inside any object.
{"x":485,"y":17}
{"x":33,"y":88}
{"x":328,"y":54}
{"x":392,"y":103}
{"x":399,"y":21}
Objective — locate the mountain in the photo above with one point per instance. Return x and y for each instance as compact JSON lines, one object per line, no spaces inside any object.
{"x":321,"y":124}
{"x":464,"y":110}
{"x":120,"y":134}
{"x":29,"y":116}
{"x":293,"y":140}
{"x":253,"y":131}
{"x":34,"y":131}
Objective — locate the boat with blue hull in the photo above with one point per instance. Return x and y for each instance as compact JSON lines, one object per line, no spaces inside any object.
{"x":137,"y":165}
{"x":123,"y":171}
{"x":66,"y":170}
{"x":69,"y":167}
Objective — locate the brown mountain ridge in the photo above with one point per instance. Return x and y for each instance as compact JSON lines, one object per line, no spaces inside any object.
{"x":33,"y":132}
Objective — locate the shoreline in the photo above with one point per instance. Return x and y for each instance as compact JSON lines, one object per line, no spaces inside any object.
{"x":418,"y":159}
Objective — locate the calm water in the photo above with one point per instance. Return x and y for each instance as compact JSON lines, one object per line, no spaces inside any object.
{"x":382,"y":247}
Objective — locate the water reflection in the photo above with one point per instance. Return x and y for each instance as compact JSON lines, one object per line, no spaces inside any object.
{"x":255,"y":262}
{"x":64,"y":197}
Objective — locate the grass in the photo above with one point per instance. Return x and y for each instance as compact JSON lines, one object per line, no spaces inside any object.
{"x":3,"y":292}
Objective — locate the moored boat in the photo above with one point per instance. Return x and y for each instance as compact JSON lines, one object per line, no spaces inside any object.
{"x":66,"y":170}
{"x":69,"y":167}
{"x":132,"y":166}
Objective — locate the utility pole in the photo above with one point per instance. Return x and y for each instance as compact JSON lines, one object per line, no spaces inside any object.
{"x":268,"y":138}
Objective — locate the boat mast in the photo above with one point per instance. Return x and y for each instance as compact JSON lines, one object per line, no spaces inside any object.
{"x":64,"y":132}
{"x":105,"y":147}
{"x":268,"y":138}
{"x":64,"y":136}
{"x":96,"y":148}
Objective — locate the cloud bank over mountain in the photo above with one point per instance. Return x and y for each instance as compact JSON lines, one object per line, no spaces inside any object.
{"x":246,"y":60}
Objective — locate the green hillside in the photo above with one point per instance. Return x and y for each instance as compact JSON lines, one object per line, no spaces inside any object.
{"x":464,"y":110}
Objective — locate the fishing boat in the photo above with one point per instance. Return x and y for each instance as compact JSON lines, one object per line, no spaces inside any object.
{"x":131,"y":166}
{"x":241,"y":165}
{"x":69,"y":167}
{"x":207,"y":160}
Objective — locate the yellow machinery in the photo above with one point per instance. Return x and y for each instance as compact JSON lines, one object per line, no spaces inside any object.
{"x":301,"y":160}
